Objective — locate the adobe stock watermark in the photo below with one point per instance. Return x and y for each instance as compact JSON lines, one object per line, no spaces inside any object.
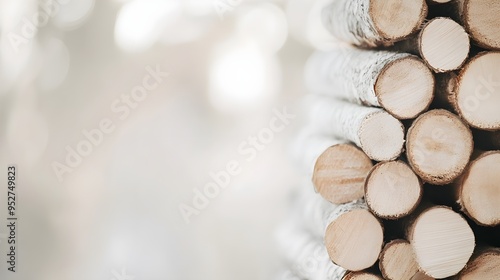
{"x":248,"y":149}
{"x":486,"y":87}
{"x":121,"y":108}
{"x":223,"y":6}
{"x":122,"y":275}
{"x":29,"y":26}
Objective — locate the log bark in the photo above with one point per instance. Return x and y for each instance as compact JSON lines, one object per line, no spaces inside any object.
{"x":392,"y":190}
{"x":374,"y":22}
{"x":438,"y":146}
{"x":307,"y":255}
{"x":480,"y":19}
{"x":377,"y":133}
{"x":484,"y":264}
{"x":397,"y":261}
{"x":441,"y":239}
{"x":478,"y":189}
{"x":398,"y":82}
{"x":354,"y":237}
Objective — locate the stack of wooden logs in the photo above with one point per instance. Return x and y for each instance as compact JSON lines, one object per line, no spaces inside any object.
{"x":402,"y":144}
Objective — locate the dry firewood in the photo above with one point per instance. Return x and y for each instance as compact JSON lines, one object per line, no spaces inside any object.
{"x":374,"y":22}
{"x":484,"y":264}
{"x":478,"y":189}
{"x":377,"y":133}
{"x":397,"y":261}
{"x":441,"y":239}
{"x":398,"y":82}
{"x":392,"y":190}
{"x":361,"y":275}
{"x":438,"y":146}
{"x":353,"y":237}
{"x":481,"y":20}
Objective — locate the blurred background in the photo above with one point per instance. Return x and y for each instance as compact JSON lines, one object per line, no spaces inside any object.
{"x":124,"y":203}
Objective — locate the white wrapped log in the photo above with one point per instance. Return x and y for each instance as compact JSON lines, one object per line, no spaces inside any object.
{"x":377,"y":133}
{"x":353,"y":237}
{"x":374,"y":22}
{"x":307,"y":255}
{"x":399,"y":82}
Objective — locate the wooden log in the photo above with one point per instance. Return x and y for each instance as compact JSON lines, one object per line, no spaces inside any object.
{"x":361,"y":275}
{"x":442,"y":241}
{"x":421,"y":276}
{"x":480,"y":19}
{"x":337,"y":169}
{"x":377,"y":133}
{"x":307,"y":255}
{"x":438,"y":146}
{"x":354,"y":237}
{"x":312,"y":211}
{"x":477,"y":93}
{"x":398,"y":82}
{"x":309,"y":146}
{"x":374,"y":22}
{"x":443,"y":44}
{"x":392,"y":190}
{"x":339,"y":173}
{"x":484,"y":264}
{"x":478,"y":189}
{"x":397,"y":261}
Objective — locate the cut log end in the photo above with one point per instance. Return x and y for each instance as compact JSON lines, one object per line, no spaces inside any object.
{"x":479,"y":190}
{"x":442,"y":242}
{"x":405,"y":87}
{"x":339,"y":173}
{"x":421,"y":276}
{"x":397,"y":19}
{"x":444,"y":44}
{"x":381,"y":136}
{"x":397,"y":261}
{"x":482,"y":22}
{"x":483,"y":265}
{"x":392,"y":190}
{"x":361,"y":275}
{"x":478,"y":91}
{"x":438,"y":146}
{"x":354,"y":240}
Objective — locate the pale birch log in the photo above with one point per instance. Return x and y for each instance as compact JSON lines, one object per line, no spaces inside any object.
{"x":477,"y":92}
{"x":480,"y":19}
{"x":374,"y":22}
{"x":484,"y":264}
{"x":443,"y":44}
{"x":442,"y":241}
{"x":398,"y":82}
{"x":361,"y":275}
{"x":478,"y":189}
{"x":354,"y":236}
{"x":313,"y":211}
{"x":421,"y":276}
{"x":439,"y":146}
{"x":392,"y":190}
{"x":397,"y":261}
{"x":337,"y":169}
{"x":377,"y":133}
{"x":309,"y":145}
{"x":339,"y":173}
{"x":307,"y":255}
